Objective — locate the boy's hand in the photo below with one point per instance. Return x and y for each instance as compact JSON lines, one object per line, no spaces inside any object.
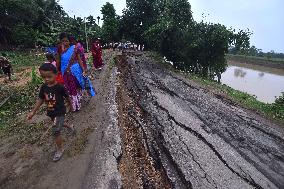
{"x":30,"y":115}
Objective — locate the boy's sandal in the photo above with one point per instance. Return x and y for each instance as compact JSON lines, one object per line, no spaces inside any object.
{"x":57,"y":156}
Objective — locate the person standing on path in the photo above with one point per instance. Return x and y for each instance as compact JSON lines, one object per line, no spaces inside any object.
{"x":53,"y":94}
{"x":73,"y":71}
{"x":80,"y":50}
{"x":97,"y":54}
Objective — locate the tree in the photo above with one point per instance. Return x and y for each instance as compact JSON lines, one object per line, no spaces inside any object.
{"x":241,"y":41}
{"x":191,"y":46}
{"x":167,"y":35}
{"x":110,"y":23}
{"x":137,"y":18}
{"x":38,"y":22}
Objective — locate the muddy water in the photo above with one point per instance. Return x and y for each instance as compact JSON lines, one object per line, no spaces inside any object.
{"x":265,"y":83}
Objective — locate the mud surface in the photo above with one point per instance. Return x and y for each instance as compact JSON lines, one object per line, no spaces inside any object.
{"x":90,"y":157}
{"x":194,"y":138}
{"x":151,"y":128}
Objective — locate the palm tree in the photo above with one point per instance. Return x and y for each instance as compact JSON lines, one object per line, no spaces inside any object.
{"x":91,"y":20}
{"x":98,"y":20}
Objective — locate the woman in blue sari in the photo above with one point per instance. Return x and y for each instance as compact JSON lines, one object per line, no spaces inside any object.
{"x":73,"y":71}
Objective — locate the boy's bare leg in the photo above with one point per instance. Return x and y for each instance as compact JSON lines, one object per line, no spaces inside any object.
{"x":58,"y":143}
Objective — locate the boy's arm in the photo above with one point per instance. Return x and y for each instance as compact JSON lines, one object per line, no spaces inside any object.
{"x":36,"y":108}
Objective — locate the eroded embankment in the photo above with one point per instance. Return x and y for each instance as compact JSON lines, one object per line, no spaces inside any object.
{"x":177,"y":134}
{"x":136,"y":165}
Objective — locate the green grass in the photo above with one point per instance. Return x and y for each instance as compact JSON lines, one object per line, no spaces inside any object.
{"x":22,"y":98}
{"x":21,"y":60}
{"x":274,"y":111}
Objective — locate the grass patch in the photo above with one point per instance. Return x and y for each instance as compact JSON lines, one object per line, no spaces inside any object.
{"x":255,"y":59}
{"x":21,"y":60}
{"x":22,"y":98}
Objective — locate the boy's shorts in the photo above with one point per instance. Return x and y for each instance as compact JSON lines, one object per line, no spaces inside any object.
{"x":58,"y":123}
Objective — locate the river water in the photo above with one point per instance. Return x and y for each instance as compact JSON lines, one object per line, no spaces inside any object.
{"x":262,"y":82}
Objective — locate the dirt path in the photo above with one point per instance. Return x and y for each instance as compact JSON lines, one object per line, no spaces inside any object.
{"x":198,"y":139}
{"x":90,"y":157}
{"x":96,"y":165}
{"x":151,"y":128}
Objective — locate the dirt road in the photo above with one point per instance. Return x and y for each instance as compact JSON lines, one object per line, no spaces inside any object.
{"x":151,"y":128}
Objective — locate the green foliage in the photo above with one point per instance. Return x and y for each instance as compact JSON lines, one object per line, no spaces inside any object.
{"x":36,"y":80}
{"x":278,"y":106}
{"x":23,"y":59}
{"x":21,"y":100}
{"x":137,"y":18}
{"x":110,"y":25}
{"x":168,"y":27}
{"x":38,"y":22}
{"x":240,"y":41}
{"x":253,"y":51}
{"x":24,"y":34}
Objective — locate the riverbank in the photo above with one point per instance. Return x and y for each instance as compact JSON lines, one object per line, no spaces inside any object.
{"x":273,"y":111}
{"x":187,"y":125}
{"x":261,"y":61}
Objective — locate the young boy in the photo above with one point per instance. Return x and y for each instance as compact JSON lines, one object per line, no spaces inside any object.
{"x":53,"y":94}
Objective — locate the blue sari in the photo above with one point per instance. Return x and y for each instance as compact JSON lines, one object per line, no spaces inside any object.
{"x":75,"y":70}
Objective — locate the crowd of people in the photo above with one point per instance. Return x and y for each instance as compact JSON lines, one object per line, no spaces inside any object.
{"x":65,"y":76}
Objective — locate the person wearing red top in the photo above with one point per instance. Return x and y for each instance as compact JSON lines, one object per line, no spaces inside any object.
{"x":97,"y":54}
{"x":51,"y":59}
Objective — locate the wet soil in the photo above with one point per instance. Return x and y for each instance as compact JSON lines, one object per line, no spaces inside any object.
{"x":197,"y":138}
{"x":89,"y":160}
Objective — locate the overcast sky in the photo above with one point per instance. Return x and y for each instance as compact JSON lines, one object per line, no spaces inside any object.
{"x":264,"y":17}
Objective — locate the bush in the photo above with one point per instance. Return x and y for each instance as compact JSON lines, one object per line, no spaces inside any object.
{"x":278,"y":106}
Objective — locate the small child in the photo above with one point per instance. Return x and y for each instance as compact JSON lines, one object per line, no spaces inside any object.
{"x":51,"y":59}
{"x":53,"y":94}
{"x":6,"y":66}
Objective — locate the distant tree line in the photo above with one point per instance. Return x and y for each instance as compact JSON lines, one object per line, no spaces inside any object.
{"x":253,"y":51}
